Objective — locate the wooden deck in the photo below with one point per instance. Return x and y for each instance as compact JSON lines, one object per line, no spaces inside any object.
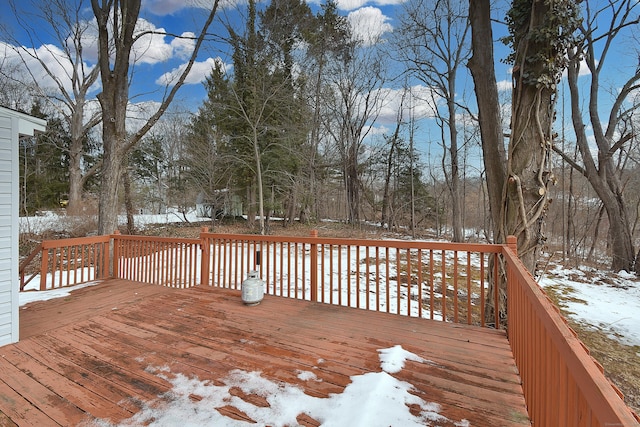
{"x":98,"y":353}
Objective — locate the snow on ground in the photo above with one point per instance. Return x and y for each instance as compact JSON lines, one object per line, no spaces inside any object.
{"x":370,"y":400}
{"x":603,"y":300}
{"x":52,"y":221}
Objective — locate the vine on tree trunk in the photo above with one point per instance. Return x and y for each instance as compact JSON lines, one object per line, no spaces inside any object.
{"x":544,"y":66}
{"x":540,"y":32}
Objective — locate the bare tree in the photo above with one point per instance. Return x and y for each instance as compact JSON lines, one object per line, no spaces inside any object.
{"x":433,"y":41}
{"x":354,"y":102}
{"x":482,"y":70}
{"x":604,"y":169}
{"x":540,"y":35}
{"x":116,"y":22}
{"x":392,"y":141}
{"x":70,"y":94}
{"x":13,"y":94}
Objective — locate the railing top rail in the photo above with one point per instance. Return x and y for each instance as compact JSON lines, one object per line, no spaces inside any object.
{"x":390,"y":243}
{"x":156,"y":239}
{"x":75,"y":241}
{"x":599,"y":392}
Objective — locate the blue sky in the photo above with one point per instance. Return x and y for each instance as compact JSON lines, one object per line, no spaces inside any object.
{"x":164,"y":54}
{"x":159,"y":56}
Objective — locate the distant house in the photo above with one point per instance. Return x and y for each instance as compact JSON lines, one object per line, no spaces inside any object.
{"x":12,"y":125}
{"x":221,"y":204}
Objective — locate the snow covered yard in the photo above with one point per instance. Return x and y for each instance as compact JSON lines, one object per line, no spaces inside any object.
{"x":604,"y":309}
{"x":605,"y":301}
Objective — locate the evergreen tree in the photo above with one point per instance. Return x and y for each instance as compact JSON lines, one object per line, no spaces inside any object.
{"x":256,"y":120}
{"x":44,"y":171}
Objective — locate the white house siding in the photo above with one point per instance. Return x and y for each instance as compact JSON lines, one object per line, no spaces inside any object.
{"x":12,"y":124}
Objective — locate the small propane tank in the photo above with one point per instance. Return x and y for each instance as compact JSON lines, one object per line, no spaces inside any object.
{"x":252,"y":289}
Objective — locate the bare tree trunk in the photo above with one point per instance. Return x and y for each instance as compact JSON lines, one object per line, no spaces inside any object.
{"x":384,"y":215}
{"x":482,"y":70}
{"x":456,"y":202}
{"x":603,"y":178}
{"x":571,"y":228}
{"x":384,"y":218}
{"x":251,"y":205}
{"x":116,"y":21}
{"x":256,"y":153}
{"x":74,"y":207}
{"x":128,"y":201}
{"x":596,"y":234}
{"x":353,"y":184}
{"x":113,"y":100}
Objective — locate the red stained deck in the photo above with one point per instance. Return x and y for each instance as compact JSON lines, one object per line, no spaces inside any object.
{"x":87,"y":356}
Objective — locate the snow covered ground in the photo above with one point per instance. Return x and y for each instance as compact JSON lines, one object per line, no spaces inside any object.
{"x":50,"y":220}
{"x":603,"y":300}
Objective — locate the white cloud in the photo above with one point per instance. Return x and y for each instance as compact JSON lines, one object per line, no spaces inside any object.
{"x":351,"y":4}
{"x":199,"y":72}
{"x":151,"y":48}
{"x":184,"y":46}
{"x":28,"y":65}
{"x":368,"y":24}
{"x":421,"y":104}
{"x":355,"y":4}
{"x":504,"y":85}
{"x":170,"y":7}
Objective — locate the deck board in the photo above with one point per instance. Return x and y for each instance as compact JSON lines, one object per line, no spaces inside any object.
{"x":96,"y":354}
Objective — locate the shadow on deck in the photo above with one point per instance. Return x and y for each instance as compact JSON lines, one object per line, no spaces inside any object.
{"x":107,"y":351}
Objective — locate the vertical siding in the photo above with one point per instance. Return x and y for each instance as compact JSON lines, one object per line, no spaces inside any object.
{"x":8,"y":230}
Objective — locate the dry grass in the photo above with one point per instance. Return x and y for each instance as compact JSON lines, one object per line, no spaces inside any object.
{"x":238,"y":226}
{"x":621,"y":362}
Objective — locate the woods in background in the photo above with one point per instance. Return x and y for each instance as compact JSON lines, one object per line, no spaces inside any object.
{"x":312,"y":120}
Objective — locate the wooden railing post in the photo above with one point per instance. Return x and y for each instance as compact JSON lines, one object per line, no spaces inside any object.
{"x":205,"y":252}
{"x":116,"y":255}
{"x":314,"y":267}
{"x":44,"y":267}
{"x":512,"y":243}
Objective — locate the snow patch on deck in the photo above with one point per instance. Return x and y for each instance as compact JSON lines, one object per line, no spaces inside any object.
{"x":371,"y":399}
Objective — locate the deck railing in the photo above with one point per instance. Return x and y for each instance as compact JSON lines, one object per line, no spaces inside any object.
{"x":433,"y":280}
{"x":67,"y":262}
{"x":562,"y":384}
{"x":172,"y":262}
